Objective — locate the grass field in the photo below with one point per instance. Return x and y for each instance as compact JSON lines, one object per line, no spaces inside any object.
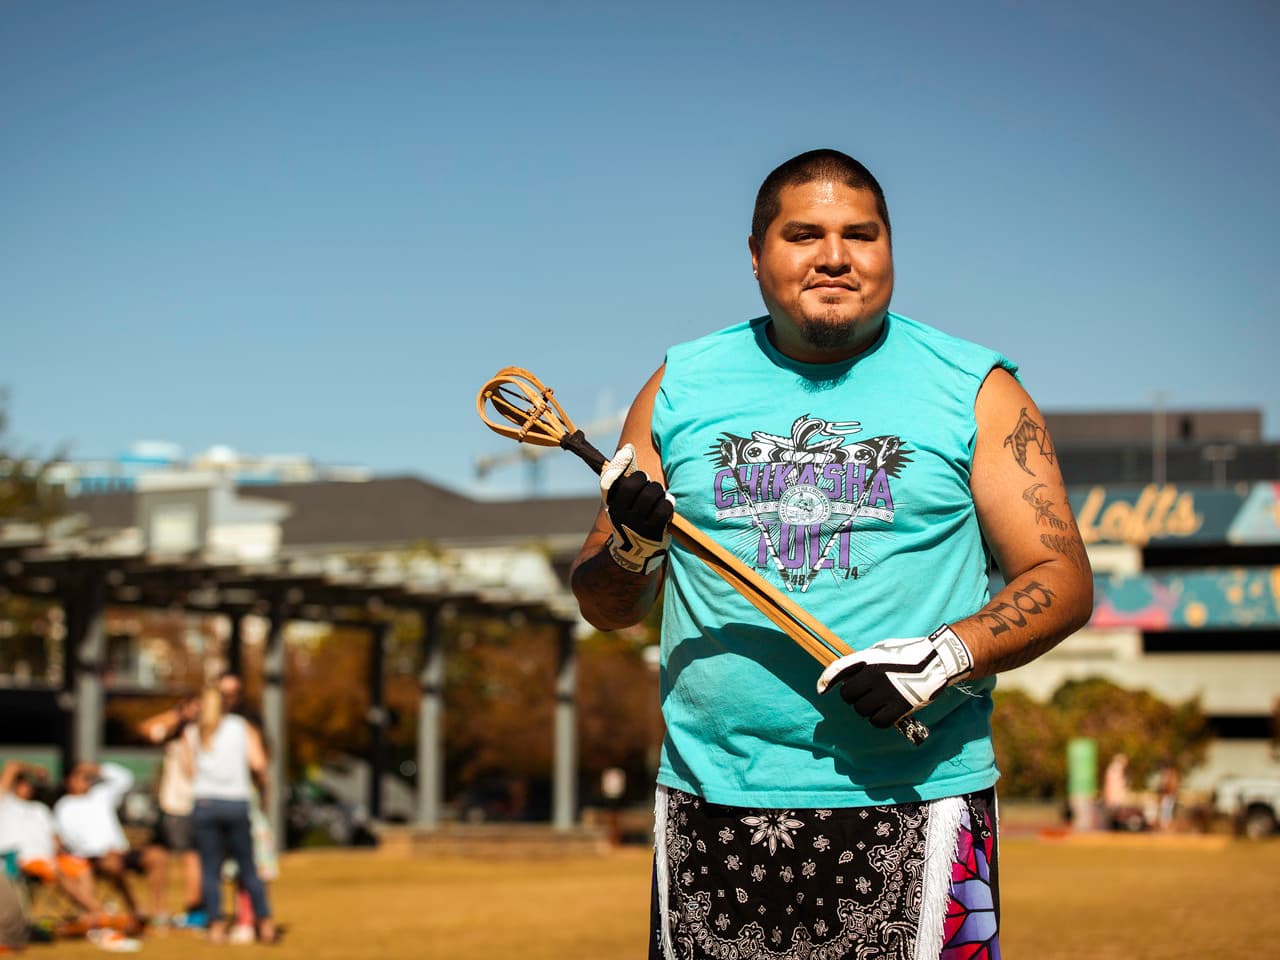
{"x":1128,"y":897}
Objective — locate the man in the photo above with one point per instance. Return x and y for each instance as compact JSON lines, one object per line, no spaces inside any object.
{"x":231,"y":686}
{"x":27,"y":829}
{"x":89,"y":827}
{"x":232,"y":689}
{"x":870,"y":467}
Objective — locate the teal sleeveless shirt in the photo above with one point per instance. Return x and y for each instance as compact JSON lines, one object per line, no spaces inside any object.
{"x":846,"y":486}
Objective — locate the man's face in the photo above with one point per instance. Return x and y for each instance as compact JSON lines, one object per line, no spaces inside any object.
{"x":229,"y":687}
{"x":826,"y":271}
{"x":78,"y":780}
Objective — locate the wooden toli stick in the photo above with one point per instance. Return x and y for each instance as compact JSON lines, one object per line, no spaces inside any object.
{"x":531,"y":414}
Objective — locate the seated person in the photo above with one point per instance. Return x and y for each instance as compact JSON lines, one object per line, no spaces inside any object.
{"x":88,"y":825}
{"x":13,"y":923}
{"x":27,"y":829}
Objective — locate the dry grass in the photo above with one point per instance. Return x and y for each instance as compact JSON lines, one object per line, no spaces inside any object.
{"x":1141,"y":897}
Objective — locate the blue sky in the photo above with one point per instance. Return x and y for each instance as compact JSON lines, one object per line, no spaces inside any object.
{"x":318,"y":227}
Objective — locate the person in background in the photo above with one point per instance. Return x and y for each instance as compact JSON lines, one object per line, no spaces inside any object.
{"x":231,"y":686}
{"x":224,"y":753}
{"x":173,"y":834}
{"x":1115,"y":789}
{"x":233,"y":701}
{"x":1168,"y":782}
{"x":27,"y":829}
{"x":13,"y":922}
{"x":88,"y":826}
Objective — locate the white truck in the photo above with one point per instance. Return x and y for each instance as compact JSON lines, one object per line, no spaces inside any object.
{"x":1252,"y":803}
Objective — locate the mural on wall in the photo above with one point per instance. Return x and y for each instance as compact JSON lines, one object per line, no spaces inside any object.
{"x":1259,"y":517}
{"x":1172,"y":514}
{"x":1229,"y":598}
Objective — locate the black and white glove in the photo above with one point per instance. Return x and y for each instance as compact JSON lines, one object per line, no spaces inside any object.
{"x":639,"y":510}
{"x":893,"y":678}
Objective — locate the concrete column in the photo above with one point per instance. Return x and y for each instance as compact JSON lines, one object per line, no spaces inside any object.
{"x":431,"y":716}
{"x":74,"y":625}
{"x":378,"y":716}
{"x":235,"y":643}
{"x":87,"y":649}
{"x":274,"y":714}
{"x":564,"y":787}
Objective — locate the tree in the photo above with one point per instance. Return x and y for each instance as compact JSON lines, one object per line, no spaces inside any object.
{"x":499,"y":714}
{"x":1031,"y":737}
{"x":1030,"y":742}
{"x":620,"y":719}
{"x":1149,"y":731}
{"x":26,"y":495}
{"x":327,"y":696}
{"x":500,"y":700}
{"x":31,"y":650}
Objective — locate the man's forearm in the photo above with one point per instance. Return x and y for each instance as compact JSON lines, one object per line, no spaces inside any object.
{"x":115,"y":778}
{"x":611,"y":598}
{"x":1030,"y":616}
{"x":160,"y":727}
{"x":9,"y":775}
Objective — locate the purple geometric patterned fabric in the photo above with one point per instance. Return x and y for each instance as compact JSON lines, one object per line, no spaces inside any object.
{"x":971,"y":930}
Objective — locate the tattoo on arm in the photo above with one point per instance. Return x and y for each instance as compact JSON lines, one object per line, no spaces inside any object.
{"x":1043,"y":507}
{"x":1021,"y":610}
{"x":1035,"y":598}
{"x":1034,"y":648}
{"x":1025,"y":433}
{"x":1070,"y":547}
{"x":611,"y":593}
{"x":618,"y":600}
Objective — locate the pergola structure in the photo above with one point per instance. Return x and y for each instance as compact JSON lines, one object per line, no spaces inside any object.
{"x":85,"y":574}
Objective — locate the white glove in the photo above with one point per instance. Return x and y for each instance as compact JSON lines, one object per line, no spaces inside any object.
{"x":639,"y":510}
{"x":893,"y":678}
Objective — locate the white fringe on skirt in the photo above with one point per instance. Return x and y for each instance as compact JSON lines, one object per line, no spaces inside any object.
{"x":940,"y":846}
{"x":661,"y":872}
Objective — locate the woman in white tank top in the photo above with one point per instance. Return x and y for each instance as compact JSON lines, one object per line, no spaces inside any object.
{"x":225,"y":754}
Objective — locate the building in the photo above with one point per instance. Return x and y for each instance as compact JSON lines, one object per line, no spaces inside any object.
{"x":1180,"y":511}
{"x":360,"y":554}
{"x":148,"y":460}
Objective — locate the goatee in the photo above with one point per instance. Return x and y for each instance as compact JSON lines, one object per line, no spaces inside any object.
{"x":825,"y":334}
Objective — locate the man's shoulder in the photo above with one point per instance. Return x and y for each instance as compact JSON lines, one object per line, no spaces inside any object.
{"x":38,"y":811}
{"x":954,"y":350}
{"x":928,"y":333}
{"x":247,"y":718}
{"x":725,"y":338}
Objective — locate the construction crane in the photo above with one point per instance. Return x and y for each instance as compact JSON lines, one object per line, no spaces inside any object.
{"x":531,"y":456}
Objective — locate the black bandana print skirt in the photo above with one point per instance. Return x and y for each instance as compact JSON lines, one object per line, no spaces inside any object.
{"x":733,"y":883}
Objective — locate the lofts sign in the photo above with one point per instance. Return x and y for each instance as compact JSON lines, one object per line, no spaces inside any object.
{"x":1171,"y":513}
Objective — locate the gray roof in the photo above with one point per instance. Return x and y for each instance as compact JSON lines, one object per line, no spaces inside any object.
{"x":389,"y":511}
{"x":1094,"y":448}
{"x":1138,"y":426}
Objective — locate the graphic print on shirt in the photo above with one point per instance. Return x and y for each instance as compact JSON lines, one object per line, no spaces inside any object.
{"x":808,"y":496}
